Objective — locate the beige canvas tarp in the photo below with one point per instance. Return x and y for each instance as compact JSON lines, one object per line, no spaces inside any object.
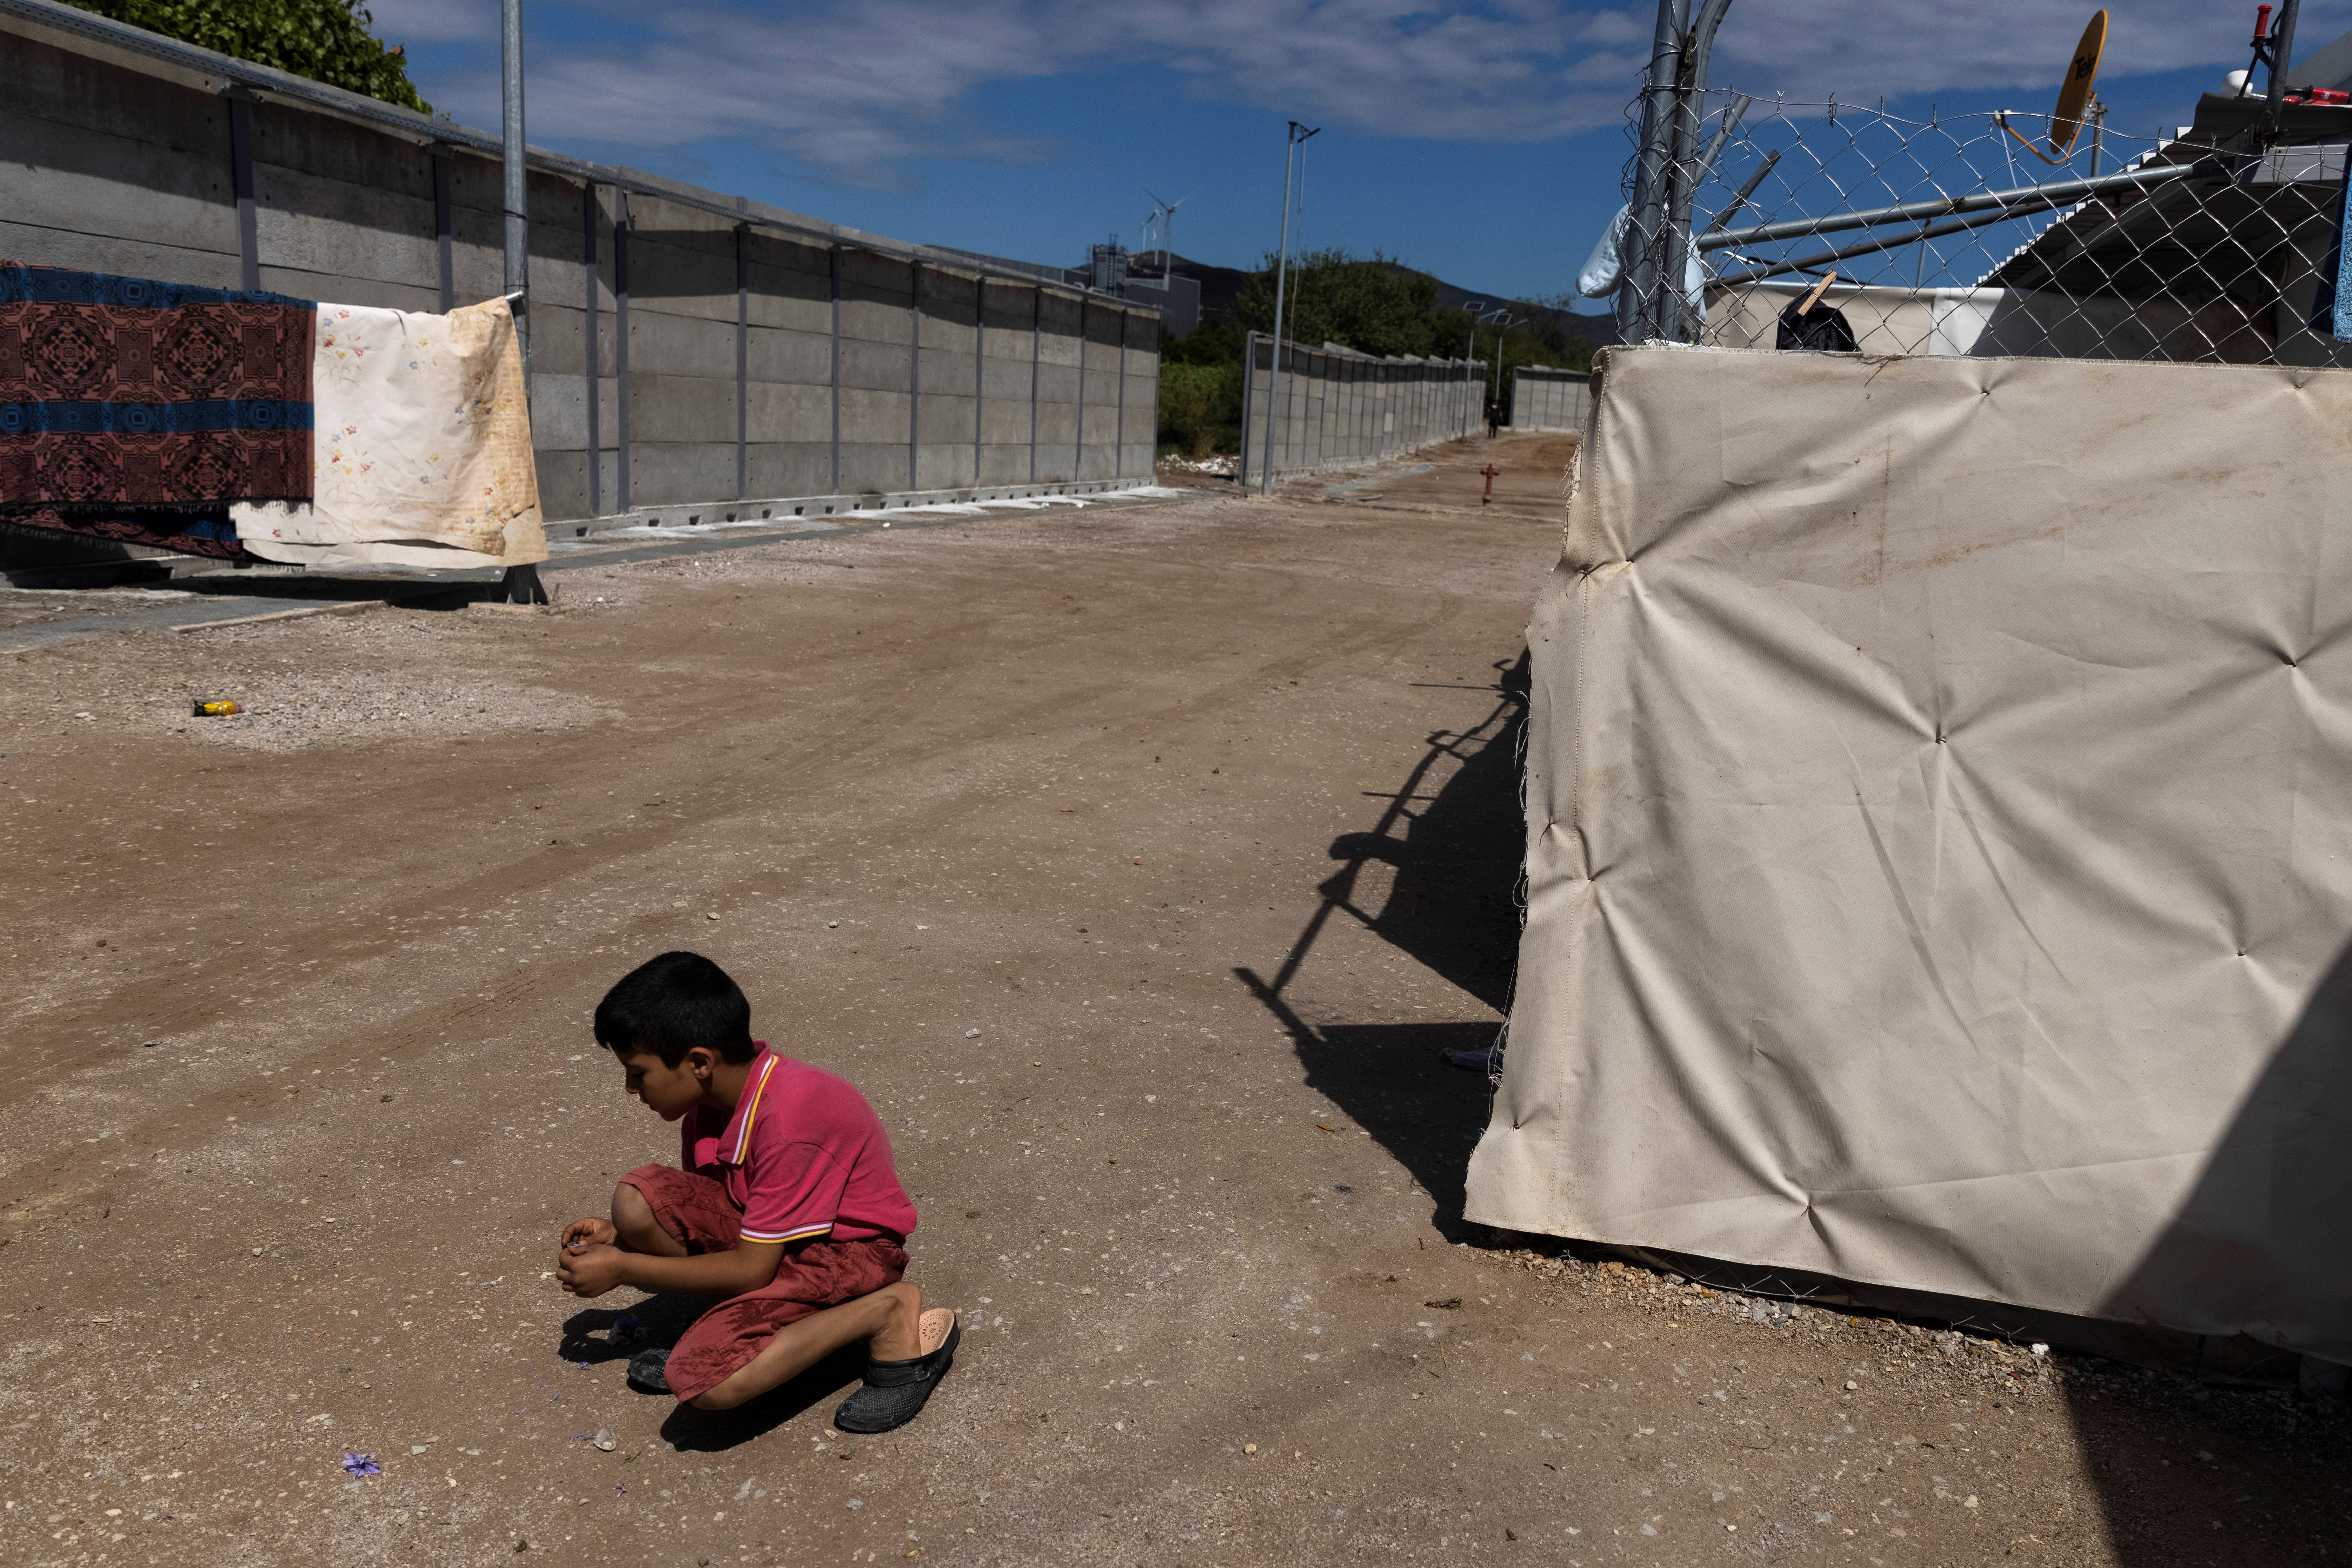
{"x":1939,"y":835}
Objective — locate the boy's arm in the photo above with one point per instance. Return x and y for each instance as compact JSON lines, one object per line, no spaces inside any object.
{"x":594,"y":1269}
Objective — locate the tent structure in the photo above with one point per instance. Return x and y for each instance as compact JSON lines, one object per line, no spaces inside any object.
{"x":1939,"y":835}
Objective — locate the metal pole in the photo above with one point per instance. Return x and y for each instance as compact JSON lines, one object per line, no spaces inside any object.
{"x":2281,"y":61}
{"x":517,"y":203}
{"x":1079,"y":458}
{"x":1294,"y":138}
{"x":1637,"y":294}
{"x":2022,"y":199}
{"x":1686,"y":168}
{"x":1118,"y":440}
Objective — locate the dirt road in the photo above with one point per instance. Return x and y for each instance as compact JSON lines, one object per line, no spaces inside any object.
{"x":1140,"y":863}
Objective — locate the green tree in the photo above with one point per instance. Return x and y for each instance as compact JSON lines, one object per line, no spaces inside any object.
{"x":325,"y":40}
{"x":1373,"y":307}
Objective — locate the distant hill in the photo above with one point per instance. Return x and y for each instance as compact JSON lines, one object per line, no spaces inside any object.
{"x":1220,"y":285}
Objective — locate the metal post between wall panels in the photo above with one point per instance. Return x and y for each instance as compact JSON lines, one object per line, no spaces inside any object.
{"x":1037,"y":360}
{"x":441,"y":217}
{"x":979,"y":368}
{"x":588,"y":336}
{"x":1119,"y":441}
{"x":914,"y":372}
{"x":743,"y":350}
{"x":621,"y":487}
{"x":1078,"y":463}
{"x":1159,"y":351}
{"x":1249,"y":393}
{"x":240,"y":162}
{"x":833,"y":271}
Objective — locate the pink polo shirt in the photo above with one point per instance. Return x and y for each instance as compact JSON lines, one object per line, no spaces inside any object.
{"x":803,"y":1155}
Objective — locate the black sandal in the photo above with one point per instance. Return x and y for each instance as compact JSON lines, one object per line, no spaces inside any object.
{"x":895,"y":1391}
{"x":648,"y":1370}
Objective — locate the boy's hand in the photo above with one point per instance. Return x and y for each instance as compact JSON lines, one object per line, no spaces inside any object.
{"x":591,"y":1271}
{"x":590,"y":1233}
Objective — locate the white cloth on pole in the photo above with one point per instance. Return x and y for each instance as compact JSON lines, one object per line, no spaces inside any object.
{"x":420,"y":443}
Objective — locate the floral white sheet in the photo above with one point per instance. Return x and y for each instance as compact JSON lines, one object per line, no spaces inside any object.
{"x":422,"y":444}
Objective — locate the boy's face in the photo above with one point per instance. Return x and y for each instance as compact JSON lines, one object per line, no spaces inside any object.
{"x":668,"y":1092}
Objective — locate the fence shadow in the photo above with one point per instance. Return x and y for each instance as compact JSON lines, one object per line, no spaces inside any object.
{"x":2264,"y":1237}
{"x":1452,"y":906}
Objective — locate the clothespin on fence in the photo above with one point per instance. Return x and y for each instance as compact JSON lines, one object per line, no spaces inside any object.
{"x":1814,"y":298}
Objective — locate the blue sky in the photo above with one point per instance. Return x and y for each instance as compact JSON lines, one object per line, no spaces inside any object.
{"x":1481,"y":141}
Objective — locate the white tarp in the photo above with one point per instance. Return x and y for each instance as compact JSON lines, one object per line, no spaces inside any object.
{"x":1939,"y":855}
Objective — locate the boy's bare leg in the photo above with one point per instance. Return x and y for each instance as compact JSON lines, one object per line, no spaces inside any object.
{"x":890,"y":1320}
{"x":639,"y":1231}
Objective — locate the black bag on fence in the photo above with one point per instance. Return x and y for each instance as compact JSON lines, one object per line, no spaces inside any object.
{"x":1823,"y":329}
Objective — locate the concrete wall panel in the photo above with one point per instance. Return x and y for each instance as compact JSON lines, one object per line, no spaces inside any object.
{"x":123,"y":165}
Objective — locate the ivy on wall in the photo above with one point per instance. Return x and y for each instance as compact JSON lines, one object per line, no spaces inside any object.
{"x":325,"y":40}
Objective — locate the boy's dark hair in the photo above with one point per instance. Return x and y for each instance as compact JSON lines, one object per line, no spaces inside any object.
{"x":667,"y":1006}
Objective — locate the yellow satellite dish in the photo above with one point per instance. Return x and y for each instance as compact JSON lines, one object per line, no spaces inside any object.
{"x":2074,"y":94}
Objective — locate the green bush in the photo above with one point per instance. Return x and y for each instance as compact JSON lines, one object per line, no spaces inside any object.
{"x":325,"y":40}
{"x":1200,"y":407}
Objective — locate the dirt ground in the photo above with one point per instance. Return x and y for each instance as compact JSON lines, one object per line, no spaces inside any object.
{"x":1140,"y":863}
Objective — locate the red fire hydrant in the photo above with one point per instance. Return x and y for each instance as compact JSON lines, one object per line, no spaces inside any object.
{"x":1490,"y":471}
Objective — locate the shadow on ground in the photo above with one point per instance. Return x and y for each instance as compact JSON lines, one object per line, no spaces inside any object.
{"x":1452,"y":905}
{"x":586,"y":1340}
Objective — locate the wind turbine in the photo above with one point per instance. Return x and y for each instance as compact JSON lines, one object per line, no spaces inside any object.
{"x":1166,"y":212}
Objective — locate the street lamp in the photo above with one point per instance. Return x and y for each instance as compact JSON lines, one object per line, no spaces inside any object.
{"x":1294,"y":141}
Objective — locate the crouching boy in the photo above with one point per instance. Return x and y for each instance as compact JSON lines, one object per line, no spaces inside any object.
{"x":785,"y":1208}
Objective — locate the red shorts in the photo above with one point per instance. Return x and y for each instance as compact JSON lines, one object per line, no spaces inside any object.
{"x":812,"y":1275}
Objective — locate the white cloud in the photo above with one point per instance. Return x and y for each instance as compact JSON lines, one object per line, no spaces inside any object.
{"x":856,"y":88}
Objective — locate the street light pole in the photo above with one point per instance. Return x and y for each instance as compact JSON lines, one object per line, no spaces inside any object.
{"x":1293,"y":140}
{"x":521,"y":584}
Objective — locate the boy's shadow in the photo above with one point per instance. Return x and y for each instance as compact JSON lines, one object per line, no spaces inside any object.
{"x":666,"y":1318}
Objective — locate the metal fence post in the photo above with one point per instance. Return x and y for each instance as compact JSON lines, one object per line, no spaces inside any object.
{"x":1637,"y":302}
{"x":1119,"y":441}
{"x":1079,"y":462}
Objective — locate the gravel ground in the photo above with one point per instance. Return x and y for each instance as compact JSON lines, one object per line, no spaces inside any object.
{"x":1203,"y":815}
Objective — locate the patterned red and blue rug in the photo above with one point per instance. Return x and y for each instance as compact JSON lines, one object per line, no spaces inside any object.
{"x":120,"y":391}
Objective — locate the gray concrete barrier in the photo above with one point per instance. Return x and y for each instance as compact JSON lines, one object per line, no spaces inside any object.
{"x":693,"y":355}
{"x":1332,"y":408}
{"x":1543,"y":398}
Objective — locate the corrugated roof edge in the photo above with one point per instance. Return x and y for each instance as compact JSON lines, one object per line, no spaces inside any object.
{"x":426,"y":130}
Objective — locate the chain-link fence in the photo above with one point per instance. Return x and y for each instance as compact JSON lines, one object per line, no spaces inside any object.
{"x":1841,"y":227}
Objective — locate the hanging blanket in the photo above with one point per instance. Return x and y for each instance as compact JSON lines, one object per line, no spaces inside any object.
{"x":121,"y":392}
{"x":423,"y":451}
{"x":208,"y":533}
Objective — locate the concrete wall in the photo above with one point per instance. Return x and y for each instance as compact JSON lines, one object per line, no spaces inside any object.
{"x":1546,"y":398}
{"x":679,"y":359}
{"x":1333,"y":408}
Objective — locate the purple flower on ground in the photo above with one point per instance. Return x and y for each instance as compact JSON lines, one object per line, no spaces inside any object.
{"x":356,"y":1465}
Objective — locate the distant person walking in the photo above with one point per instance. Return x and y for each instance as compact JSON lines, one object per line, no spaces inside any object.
{"x":1494,"y":420}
